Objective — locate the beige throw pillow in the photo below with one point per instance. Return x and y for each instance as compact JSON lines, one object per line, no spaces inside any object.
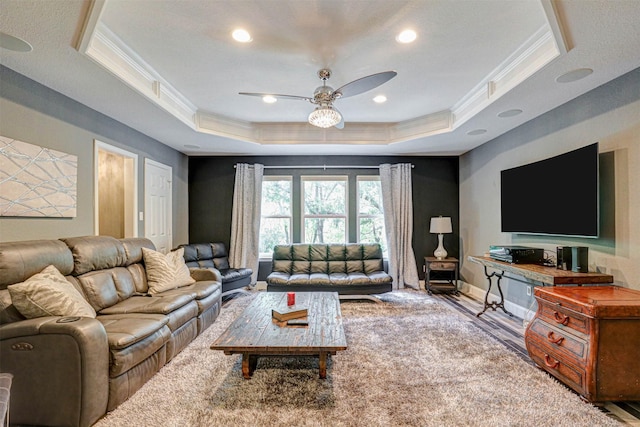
{"x":165,"y":272}
{"x":48,"y":293}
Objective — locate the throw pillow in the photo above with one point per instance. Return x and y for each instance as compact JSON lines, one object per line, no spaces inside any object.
{"x":48,"y":293}
{"x":165,"y":272}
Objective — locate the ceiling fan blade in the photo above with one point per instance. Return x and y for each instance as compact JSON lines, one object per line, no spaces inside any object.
{"x":364,"y":84}
{"x":275,"y":95}
{"x":340,"y":124}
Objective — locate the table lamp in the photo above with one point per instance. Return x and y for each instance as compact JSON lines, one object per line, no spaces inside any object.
{"x":440,"y":225}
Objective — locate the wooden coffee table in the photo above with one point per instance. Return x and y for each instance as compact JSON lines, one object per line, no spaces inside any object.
{"x":254,"y":333}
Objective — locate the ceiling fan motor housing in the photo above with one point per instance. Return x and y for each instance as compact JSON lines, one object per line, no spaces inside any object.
{"x":323,"y":95}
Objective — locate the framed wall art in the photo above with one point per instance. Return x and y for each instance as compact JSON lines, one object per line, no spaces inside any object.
{"x":36,"y":181}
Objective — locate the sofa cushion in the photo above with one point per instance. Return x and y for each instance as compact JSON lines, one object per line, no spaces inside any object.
{"x":198,"y":290}
{"x":104,"y":288}
{"x":132,"y":338}
{"x":21,"y":260}
{"x":149,"y":304}
{"x":133,"y":248}
{"x":48,"y":293}
{"x":166,"y":272}
{"x":91,"y":253}
{"x":339,"y":279}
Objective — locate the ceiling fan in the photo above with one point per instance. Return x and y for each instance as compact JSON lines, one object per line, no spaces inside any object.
{"x":325,"y":114}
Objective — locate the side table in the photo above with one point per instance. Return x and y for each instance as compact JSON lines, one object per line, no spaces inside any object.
{"x":441,"y":269}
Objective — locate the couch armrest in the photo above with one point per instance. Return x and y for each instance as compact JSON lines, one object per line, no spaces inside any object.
{"x":202,"y":274}
{"x":58,"y":362}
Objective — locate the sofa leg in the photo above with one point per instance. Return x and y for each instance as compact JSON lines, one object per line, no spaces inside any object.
{"x":359,"y":297}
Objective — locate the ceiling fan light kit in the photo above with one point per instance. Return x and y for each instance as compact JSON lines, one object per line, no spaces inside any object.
{"x":326,"y":115}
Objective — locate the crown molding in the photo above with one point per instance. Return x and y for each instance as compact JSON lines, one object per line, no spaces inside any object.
{"x":535,"y":53}
{"x":106,"y":49}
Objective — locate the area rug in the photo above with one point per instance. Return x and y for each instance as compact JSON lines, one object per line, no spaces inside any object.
{"x":411,"y":361}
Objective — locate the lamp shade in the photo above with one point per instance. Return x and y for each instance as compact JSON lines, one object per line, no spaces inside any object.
{"x":440,"y":225}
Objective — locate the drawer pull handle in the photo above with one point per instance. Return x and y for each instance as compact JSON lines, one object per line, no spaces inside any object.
{"x":553,"y":340}
{"x":553,"y":364}
{"x":561,"y":318}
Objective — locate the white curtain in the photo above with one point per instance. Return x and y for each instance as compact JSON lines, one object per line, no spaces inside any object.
{"x":245,"y":220}
{"x":395,"y":181}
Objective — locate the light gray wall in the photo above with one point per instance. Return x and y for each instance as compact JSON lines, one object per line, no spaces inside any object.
{"x":32,"y":113}
{"x":609,"y":115}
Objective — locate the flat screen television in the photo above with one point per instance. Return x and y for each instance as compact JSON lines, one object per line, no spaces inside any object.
{"x":555,"y":196}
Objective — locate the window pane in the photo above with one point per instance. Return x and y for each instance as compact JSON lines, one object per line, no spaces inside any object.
{"x":372,"y":231}
{"x":274,"y":231}
{"x":276,"y":198}
{"x":325,"y":197}
{"x":325,"y":230}
{"x":369,"y":197}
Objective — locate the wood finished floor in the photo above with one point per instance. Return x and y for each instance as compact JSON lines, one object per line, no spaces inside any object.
{"x":510,"y":332}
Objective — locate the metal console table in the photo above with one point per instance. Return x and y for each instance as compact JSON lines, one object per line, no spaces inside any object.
{"x":538,"y":273}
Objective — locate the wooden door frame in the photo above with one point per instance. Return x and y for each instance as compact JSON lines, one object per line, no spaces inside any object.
{"x":131,"y":187}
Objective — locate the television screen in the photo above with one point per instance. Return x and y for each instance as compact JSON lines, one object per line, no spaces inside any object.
{"x":556,"y":196}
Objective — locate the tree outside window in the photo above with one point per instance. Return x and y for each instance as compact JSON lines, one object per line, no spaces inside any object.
{"x":324,"y":209}
{"x":370,"y":212}
{"x":276,"y":214}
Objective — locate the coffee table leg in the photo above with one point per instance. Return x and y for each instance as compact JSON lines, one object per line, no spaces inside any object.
{"x":323,"y":365}
{"x":249,"y":362}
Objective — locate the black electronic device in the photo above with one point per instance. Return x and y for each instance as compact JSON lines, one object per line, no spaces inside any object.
{"x":563,"y":257}
{"x":580,"y":259}
{"x":517,"y":254}
{"x":554,"y":196}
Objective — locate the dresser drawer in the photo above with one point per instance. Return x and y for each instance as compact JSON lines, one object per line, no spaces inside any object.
{"x":442,"y":266}
{"x":562,"y":317}
{"x":556,"y":365}
{"x":558,"y":340}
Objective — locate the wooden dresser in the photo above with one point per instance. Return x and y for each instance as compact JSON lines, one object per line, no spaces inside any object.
{"x":589,"y":338}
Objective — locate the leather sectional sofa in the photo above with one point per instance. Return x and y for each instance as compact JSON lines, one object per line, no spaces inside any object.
{"x":349,"y":269}
{"x":72,"y":370}
{"x":214,"y":255}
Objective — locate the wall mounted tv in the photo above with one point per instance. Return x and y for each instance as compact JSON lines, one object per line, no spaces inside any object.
{"x":555,"y":196}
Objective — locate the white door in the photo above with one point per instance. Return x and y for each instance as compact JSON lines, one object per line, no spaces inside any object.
{"x":158,"y":205}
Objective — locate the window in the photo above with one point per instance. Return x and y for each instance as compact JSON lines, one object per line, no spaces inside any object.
{"x":321,"y":209}
{"x":276,"y":213}
{"x":324,"y":213}
{"x":370,"y":213}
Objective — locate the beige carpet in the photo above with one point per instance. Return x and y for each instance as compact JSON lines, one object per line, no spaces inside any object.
{"x":411,"y":362}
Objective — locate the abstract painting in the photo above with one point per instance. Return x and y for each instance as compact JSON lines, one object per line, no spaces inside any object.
{"x":36,"y":181}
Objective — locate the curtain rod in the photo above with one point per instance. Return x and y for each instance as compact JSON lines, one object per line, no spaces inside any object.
{"x":322,"y":167}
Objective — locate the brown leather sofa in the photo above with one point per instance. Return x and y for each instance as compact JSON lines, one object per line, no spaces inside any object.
{"x":71,"y":370}
{"x":349,"y":269}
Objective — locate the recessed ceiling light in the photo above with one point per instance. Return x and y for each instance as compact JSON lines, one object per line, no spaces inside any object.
{"x":269,"y":99}
{"x":406,"y":36}
{"x":380,"y":99}
{"x":510,"y":113}
{"x":192,"y":147}
{"x":574,"y":75}
{"x":13,"y":43}
{"x":476,"y":132}
{"x":241,"y":35}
